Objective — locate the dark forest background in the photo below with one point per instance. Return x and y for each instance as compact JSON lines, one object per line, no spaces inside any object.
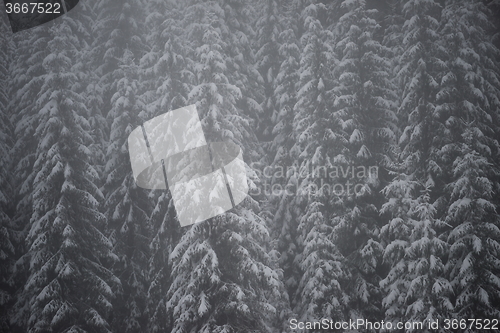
{"x":412,"y":87}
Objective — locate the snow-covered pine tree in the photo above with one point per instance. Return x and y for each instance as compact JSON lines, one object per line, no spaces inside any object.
{"x":285,"y":88}
{"x":26,"y":73}
{"x":469,"y":104}
{"x":93,"y":92}
{"x":127,"y":206}
{"x":240,"y":17}
{"x":269,"y":27}
{"x":278,"y":62}
{"x":91,"y":87}
{"x":494,"y":15}
{"x":167,"y":75}
{"x":473,"y":266}
{"x":168,"y":80}
{"x":392,"y":40}
{"x":31,"y":49}
{"x":119,"y":26}
{"x":212,"y":90}
{"x":392,"y":36}
{"x":365,"y":101}
{"x":416,"y":288}
{"x":320,"y":292}
{"x":283,"y":225}
{"x":69,"y":287}
{"x":7,"y":242}
{"x":117,"y":49}
{"x":223,"y":279}
{"x":166,"y":234}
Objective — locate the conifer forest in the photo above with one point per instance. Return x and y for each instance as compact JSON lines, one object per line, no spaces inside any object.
{"x":370,"y":131}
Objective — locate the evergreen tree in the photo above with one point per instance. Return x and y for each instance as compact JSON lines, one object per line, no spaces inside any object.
{"x":473,"y":266}
{"x":365,"y":103}
{"x":469,"y":103}
{"x":214,"y":89}
{"x":392,"y":37}
{"x":68,"y":288}
{"x":169,"y":80}
{"x":416,"y":287}
{"x":92,"y":88}
{"x":167,"y":233}
{"x":268,"y":59}
{"x":27,"y":71}
{"x":223,"y":279}
{"x":285,"y":91}
{"x":7,"y":243}
{"x":117,"y":48}
{"x":118,"y":27}
{"x":127,"y":206}
{"x":240,"y":16}
{"x":320,"y":293}
{"x":284,"y":211}
{"x":166,"y":71}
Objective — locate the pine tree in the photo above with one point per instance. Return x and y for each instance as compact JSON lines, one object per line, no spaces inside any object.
{"x":284,"y":212}
{"x":365,"y":102}
{"x":469,"y":103}
{"x":285,"y":89}
{"x":90,"y":86}
{"x":7,"y":228}
{"x":212,"y":90}
{"x":118,"y":27}
{"x":127,"y":206}
{"x":393,"y":33}
{"x":473,"y":267}
{"x":167,"y":75}
{"x":223,"y":279}
{"x":27,"y":70}
{"x":68,"y":288}
{"x":320,"y":293}
{"x":167,"y":233}
{"x":26,"y":74}
{"x":7,"y":243}
{"x":268,"y":60}
{"x":240,"y":16}
{"x":169,"y":80}
{"x":416,"y":287}
{"x":117,"y":48}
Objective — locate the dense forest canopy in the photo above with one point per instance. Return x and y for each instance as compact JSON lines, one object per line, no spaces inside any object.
{"x":370,"y":130}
